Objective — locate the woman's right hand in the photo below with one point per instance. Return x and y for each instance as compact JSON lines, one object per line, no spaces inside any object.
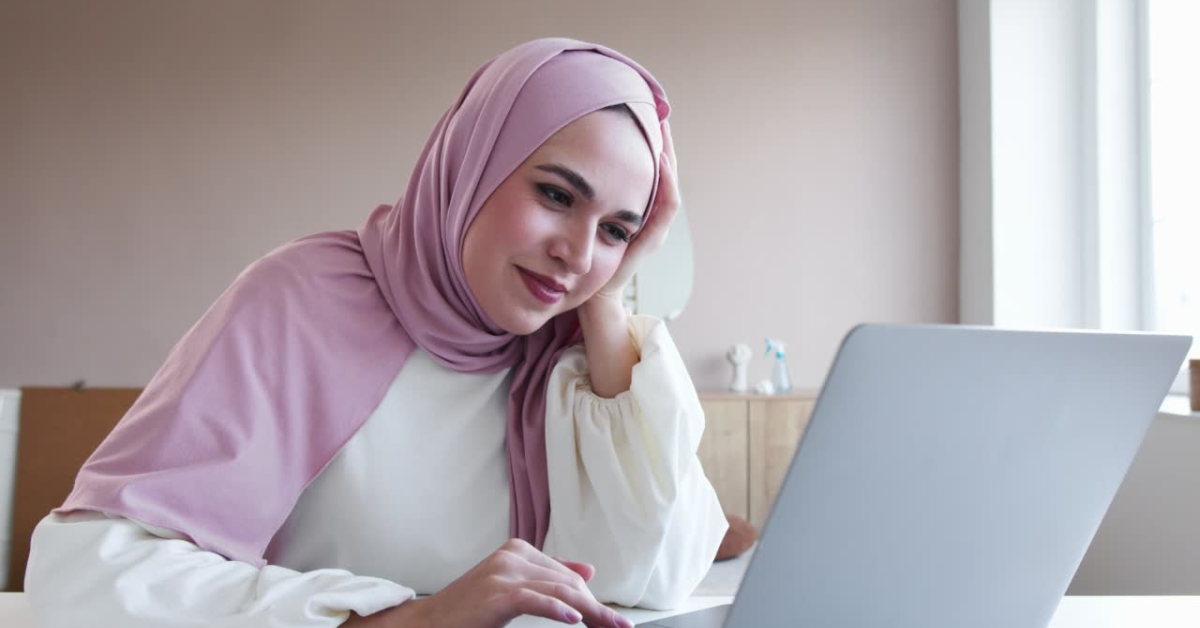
{"x":515,"y":580}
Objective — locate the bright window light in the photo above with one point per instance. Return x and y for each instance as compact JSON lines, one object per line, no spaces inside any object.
{"x":1173,"y":81}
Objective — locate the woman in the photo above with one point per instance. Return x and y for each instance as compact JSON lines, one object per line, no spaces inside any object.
{"x":334,"y":437}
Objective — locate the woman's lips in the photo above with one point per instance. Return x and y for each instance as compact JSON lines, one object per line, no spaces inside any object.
{"x":542,"y":288}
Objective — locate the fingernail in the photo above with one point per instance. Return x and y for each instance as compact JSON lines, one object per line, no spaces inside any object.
{"x":624,"y":622}
{"x":573,"y":617}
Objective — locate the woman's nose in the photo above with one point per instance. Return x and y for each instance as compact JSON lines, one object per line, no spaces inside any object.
{"x":574,"y":248}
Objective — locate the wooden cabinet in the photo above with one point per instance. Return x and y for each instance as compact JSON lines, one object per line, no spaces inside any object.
{"x":724,"y":452}
{"x":748,"y":444}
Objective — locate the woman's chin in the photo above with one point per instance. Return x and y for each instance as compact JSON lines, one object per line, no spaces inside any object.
{"x":524,"y":323}
{"x":522,"y":319}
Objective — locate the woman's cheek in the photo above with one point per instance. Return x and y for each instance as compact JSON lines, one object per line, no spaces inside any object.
{"x":608,"y":260}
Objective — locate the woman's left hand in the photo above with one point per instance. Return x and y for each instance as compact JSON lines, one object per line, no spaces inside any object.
{"x":654,"y":232}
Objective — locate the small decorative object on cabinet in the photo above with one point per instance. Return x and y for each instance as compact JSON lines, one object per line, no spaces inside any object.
{"x":739,"y":355}
{"x":748,"y":444}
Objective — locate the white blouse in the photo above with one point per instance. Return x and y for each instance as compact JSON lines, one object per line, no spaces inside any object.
{"x":415,"y":499}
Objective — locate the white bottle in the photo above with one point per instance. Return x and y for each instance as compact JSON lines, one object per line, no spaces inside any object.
{"x":779,"y":374}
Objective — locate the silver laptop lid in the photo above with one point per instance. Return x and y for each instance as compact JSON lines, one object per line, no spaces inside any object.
{"x":953,"y":476}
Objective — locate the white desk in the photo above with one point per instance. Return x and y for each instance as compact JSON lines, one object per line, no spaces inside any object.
{"x":14,"y":613}
{"x":1074,"y":612}
{"x":723,"y":580}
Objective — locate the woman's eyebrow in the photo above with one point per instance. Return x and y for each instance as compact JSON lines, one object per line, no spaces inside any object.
{"x":585,"y":189}
{"x":574,"y":178}
{"x":627,"y":216}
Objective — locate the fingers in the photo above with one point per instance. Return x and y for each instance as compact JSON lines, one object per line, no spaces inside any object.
{"x":585,"y":571}
{"x":537,"y":557}
{"x":666,"y":201}
{"x":539,"y":566}
{"x":564,"y":580}
{"x":563,"y":576}
{"x":529,"y":601}
{"x":594,"y":613}
{"x":524,"y":581}
{"x":669,"y":144}
{"x":668,"y":190}
{"x":666,"y":207}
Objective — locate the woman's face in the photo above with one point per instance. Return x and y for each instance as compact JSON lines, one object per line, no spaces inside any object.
{"x":555,"y":231}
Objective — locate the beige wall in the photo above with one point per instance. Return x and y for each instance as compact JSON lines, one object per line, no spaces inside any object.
{"x":152,"y":149}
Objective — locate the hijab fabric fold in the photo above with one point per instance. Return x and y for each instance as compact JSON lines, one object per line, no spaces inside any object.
{"x":286,"y":366}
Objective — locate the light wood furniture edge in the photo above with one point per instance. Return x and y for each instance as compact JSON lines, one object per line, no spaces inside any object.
{"x":726,"y":395}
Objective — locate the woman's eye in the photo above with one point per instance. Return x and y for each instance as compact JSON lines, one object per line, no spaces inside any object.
{"x":617,"y":233}
{"x":556,"y":195}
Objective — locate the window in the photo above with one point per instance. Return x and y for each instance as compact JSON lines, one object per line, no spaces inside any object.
{"x":1172,"y":97}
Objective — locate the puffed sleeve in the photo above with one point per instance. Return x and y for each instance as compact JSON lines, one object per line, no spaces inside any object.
{"x":627,"y":493}
{"x":88,"y":569}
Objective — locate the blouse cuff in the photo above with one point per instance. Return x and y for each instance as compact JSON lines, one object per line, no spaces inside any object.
{"x":647,"y":335}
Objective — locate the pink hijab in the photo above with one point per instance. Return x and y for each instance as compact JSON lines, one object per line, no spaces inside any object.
{"x":286,"y":366}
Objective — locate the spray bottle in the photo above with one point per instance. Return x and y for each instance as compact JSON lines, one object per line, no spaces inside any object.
{"x":779,"y":374}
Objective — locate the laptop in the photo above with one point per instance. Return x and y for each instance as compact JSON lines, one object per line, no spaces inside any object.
{"x":950,"y":477}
